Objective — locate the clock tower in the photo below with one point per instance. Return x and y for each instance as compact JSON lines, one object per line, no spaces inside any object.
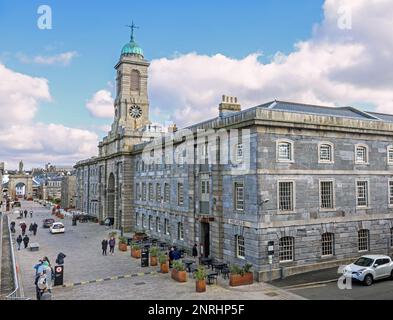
{"x":132,"y":102}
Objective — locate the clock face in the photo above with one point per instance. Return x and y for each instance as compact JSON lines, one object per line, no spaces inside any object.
{"x":135,"y":112}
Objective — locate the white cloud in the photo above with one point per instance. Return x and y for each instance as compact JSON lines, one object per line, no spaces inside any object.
{"x":22,"y":138}
{"x":334,"y":67}
{"x":101,"y":104}
{"x":63,"y":59}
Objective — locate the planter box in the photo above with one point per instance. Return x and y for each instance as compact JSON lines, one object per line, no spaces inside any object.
{"x":236,"y":280}
{"x":200,"y":286}
{"x":122,"y":246}
{"x":139,"y":236}
{"x":153,"y":261}
{"x":179,"y":276}
{"x":136,"y":253}
{"x":164,"y":267}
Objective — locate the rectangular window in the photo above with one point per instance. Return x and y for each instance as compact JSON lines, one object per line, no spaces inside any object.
{"x":239,"y":196}
{"x":326,"y":194}
{"x":239,"y":152}
{"x":150,"y":223}
{"x":137,"y":191}
{"x":151,"y":195}
{"x":390,"y":155}
{"x":363,"y":240}
{"x":144,"y":191}
{"x":285,"y":151}
{"x":285,"y":196}
{"x":286,"y":249}
{"x":158,"y":222}
{"x":361,"y":154}
{"x":391,"y":193}
{"x":180,"y":194}
{"x":180,"y":231}
{"x":327,"y":244}
{"x":391,"y":237}
{"x":166,"y":226}
{"x":136,"y":219}
{"x":167,"y":193}
{"x":240,"y":247}
{"x":325,"y":153}
{"x":362,"y":193}
{"x":143,"y":221}
{"x":158,"y":192}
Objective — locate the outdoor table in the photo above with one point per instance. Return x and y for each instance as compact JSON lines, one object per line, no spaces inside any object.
{"x":206,"y":261}
{"x":188,"y":264}
{"x":212,"y":276}
{"x":218,"y":266}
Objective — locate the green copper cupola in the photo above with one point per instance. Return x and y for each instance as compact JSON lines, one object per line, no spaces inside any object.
{"x":132,"y":48}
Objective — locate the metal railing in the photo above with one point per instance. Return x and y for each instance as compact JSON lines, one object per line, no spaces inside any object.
{"x":16,"y":294}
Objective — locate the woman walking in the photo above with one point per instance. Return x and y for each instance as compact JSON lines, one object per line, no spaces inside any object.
{"x":112,"y":243}
{"x":26,"y":240}
{"x":19,"y":241}
{"x":104,"y":245}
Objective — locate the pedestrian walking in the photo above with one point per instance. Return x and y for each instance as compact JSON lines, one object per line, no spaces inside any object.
{"x":112,"y":243}
{"x":23,"y":226}
{"x":104,"y":245}
{"x":31,"y":213}
{"x":12,"y":226}
{"x":195,"y":251}
{"x":48,"y":275}
{"x":25,"y":214}
{"x":47,"y":260}
{"x":31,"y":229}
{"x":171,"y":256}
{"x":35,"y":227}
{"x":39,"y":267}
{"x":19,"y":241}
{"x":26,"y":240}
{"x":21,"y":214}
{"x":40,"y":284}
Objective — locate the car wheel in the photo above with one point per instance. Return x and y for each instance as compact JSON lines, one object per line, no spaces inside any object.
{"x":368,"y":280}
{"x":391,"y":275}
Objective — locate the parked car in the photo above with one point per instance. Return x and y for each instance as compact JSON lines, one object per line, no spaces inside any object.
{"x":47,"y":223}
{"x":57,"y":227}
{"x":369,"y":268}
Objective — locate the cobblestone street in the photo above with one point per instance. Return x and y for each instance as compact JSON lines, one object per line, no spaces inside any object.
{"x":84,"y":262}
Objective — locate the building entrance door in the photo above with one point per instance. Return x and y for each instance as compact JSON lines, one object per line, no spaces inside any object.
{"x":205,"y":237}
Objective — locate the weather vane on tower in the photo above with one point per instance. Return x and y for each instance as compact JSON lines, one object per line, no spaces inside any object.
{"x":132,"y":27}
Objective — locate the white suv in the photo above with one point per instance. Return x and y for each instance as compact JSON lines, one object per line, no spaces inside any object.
{"x":369,"y":268}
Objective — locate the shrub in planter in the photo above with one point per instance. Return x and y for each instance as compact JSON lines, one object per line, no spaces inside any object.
{"x":139,"y":236}
{"x":200,"y":276}
{"x":179,"y":272}
{"x":240,"y":276}
{"x":136,"y":251}
{"x":122,"y":243}
{"x":163,"y":261}
{"x":153,"y":256}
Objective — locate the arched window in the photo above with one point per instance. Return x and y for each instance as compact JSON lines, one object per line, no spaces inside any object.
{"x":327,"y":244}
{"x":363,"y":240}
{"x":325,"y":152}
{"x":286,"y":249}
{"x":285,"y":151}
{"x":135,"y":80}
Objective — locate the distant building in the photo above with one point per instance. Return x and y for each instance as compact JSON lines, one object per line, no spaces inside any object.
{"x":68,"y":192}
{"x":1,"y":180}
{"x":50,"y":188}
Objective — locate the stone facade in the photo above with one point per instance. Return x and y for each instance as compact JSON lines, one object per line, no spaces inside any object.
{"x":314,"y":181}
{"x":1,"y":180}
{"x":68,"y":192}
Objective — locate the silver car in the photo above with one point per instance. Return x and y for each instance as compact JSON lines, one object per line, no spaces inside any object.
{"x":369,"y":268}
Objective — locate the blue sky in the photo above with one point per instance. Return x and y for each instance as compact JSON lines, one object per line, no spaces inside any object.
{"x":96,"y":31}
{"x":56,"y":86}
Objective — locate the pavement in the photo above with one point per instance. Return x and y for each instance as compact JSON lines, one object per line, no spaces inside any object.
{"x":90,"y":276}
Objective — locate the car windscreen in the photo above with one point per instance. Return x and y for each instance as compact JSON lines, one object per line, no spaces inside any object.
{"x":364,"y":262}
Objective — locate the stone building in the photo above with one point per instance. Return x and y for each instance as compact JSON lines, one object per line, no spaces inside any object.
{"x":68,"y":192}
{"x":1,"y":180}
{"x":314,"y":182}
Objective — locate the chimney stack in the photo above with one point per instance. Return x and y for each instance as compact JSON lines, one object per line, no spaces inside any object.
{"x":228,"y":106}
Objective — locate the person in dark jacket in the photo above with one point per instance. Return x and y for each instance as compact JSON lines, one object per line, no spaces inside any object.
{"x":26,"y":240}
{"x":104,"y":245}
{"x":112,"y":243}
{"x":31,"y":228}
{"x":60,"y":258}
{"x":23,"y":226}
{"x":171,"y":256}
{"x":31,"y":213}
{"x":12,"y":226}
{"x":25,"y":212}
{"x":35,"y":227}
{"x":195,"y":251}
{"x":19,"y":241}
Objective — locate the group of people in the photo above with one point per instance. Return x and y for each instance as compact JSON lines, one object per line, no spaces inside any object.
{"x":24,"y":237}
{"x":21,"y":213}
{"x":43,"y":279}
{"x":111,"y":243}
